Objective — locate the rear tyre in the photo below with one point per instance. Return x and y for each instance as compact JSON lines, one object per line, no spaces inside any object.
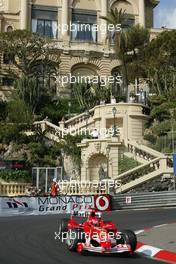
{"x":130,"y":238}
{"x":63,"y":226}
{"x":74,"y":237}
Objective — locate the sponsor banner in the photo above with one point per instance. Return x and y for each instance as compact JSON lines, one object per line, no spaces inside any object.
{"x":52,"y":205}
{"x":17,"y":206}
{"x":102,"y":202}
{"x":64,"y":204}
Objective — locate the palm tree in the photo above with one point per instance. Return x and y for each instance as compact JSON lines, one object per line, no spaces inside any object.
{"x":128,"y":45}
{"x":117,"y":17}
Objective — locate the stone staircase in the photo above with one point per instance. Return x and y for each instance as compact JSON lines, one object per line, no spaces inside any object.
{"x":73,"y":125}
{"x":153,"y":164}
{"x":140,"y":152}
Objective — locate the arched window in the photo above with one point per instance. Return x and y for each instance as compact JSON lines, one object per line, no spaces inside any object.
{"x":9,"y":29}
{"x":129,"y":13}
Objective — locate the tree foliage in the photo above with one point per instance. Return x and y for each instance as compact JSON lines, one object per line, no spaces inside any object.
{"x":133,"y":42}
{"x":129,"y":46}
{"x":29,"y":91}
{"x":90,"y":95}
{"x":33,"y":55}
{"x":160,"y":58}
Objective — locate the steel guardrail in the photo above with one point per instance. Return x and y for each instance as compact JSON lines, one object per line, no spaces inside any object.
{"x":143,"y":200}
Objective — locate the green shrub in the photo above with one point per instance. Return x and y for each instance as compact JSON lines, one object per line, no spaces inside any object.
{"x":126,"y":164}
{"x":15,"y":175}
{"x":3,"y":110}
{"x":150,"y":137}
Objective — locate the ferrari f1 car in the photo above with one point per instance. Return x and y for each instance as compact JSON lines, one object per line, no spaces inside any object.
{"x":96,"y":236}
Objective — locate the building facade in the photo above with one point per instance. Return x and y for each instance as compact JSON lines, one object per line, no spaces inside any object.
{"x":83,"y":52}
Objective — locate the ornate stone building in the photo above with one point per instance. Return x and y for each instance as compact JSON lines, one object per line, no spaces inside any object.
{"x":87,"y":53}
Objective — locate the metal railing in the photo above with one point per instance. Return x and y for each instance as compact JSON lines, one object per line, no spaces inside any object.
{"x":143,"y":200}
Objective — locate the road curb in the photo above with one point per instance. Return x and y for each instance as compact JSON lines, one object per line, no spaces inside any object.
{"x":154,"y":252}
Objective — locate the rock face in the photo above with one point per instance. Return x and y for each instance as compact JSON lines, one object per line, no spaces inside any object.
{"x":11,"y":152}
{"x":71,"y":170}
{"x":156,"y":185}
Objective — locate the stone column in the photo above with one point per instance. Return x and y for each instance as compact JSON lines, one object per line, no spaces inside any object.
{"x":64,"y":21}
{"x":24,"y":14}
{"x":103,"y":23}
{"x":113,"y":162}
{"x":59,"y":21}
{"x":142,"y":12}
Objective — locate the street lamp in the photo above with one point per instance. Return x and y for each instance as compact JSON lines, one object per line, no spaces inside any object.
{"x":62,"y":153}
{"x":107,"y":153}
{"x":114,"y":111}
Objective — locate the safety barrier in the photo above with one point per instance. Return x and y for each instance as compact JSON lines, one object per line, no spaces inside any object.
{"x":12,"y":189}
{"x":143,"y":200}
{"x":44,"y":205}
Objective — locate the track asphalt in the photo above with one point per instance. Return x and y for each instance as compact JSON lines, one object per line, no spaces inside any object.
{"x":31,"y":239}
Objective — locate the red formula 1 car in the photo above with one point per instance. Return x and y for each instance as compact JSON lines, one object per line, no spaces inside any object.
{"x":96,"y":236}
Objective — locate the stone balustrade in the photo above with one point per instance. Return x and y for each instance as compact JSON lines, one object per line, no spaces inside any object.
{"x":159,"y":165}
{"x":12,"y":189}
{"x":142,"y":151}
{"x":83,"y":188}
{"x":48,"y":128}
{"x":80,"y":120}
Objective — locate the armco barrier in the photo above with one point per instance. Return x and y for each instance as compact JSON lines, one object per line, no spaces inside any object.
{"x":143,"y":200}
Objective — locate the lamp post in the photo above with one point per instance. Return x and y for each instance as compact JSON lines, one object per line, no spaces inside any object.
{"x":62,"y":153}
{"x":107,"y":153}
{"x":114,"y":111}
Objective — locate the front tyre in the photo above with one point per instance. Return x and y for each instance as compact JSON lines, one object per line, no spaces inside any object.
{"x":74,"y":237}
{"x":130,"y":238}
